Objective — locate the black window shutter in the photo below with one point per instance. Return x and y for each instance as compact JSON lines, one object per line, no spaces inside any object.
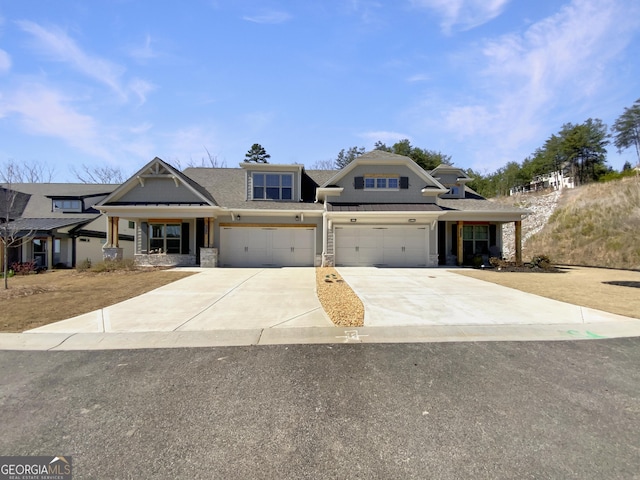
{"x":492,"y":235}
{"x":185,"y":239}
{"x":358,"y":183}
{"x":144,"y":237}
{"x":404,"y":182}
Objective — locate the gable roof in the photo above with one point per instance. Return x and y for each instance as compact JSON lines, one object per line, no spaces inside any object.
{"x":14,"y":201}
{"x":158,"y":168}
{"x":444,"y":169}
{"x":228,"y":186}
{"x":380,"y":157}
{"x":39,"y":197}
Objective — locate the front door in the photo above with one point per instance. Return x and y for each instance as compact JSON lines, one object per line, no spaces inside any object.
{"x":40,"y":252}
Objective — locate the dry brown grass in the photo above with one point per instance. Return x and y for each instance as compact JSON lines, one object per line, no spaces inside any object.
{"x":578,"y":285}
{"x":594,"y":225}
{"x":35,"y":300}
{"x":342,"y":305}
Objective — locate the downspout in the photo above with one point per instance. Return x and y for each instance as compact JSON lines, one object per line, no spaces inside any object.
{"x":325,"y":234}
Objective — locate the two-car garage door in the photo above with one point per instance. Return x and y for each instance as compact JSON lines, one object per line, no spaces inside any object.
{"x":267,"y":246}
{"x":389,"y":246}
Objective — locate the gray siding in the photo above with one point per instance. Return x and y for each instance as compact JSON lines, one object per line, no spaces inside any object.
{"x":160,"y":190}
{"x":411,"y":195}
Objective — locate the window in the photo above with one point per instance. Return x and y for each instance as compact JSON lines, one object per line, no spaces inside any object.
{"x":68,"y":205}
{"x":272,"y":186}
{"x":165,"y":237}
{"x":475,"y":239}
{"x":454,"y":191}
{"x":381,"y":183}
{"x":132,"y":225}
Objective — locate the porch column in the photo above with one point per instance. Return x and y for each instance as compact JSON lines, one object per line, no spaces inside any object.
{"x":116,"y":236}
{"x":459,"y":229}
{"x":518,"y":235}
{"x":210,"y":233}
{"x":206,"y":232}
{"x":49,"y":250}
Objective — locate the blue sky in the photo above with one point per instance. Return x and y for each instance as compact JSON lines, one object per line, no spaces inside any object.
{"x":117,"y":83}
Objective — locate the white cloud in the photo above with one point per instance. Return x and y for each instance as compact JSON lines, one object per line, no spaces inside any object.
{"x":56,"y":44}
{"x":145,"y":52}
{"x":269,"y":17}
{"x":43,"y":111}
{"x":419,"y":77}
{"x":466,"y":14}
{"x":530,"y":79}
{"x":5,"y":62}
{"x":386,"y":137}
{"x":141,"y":88}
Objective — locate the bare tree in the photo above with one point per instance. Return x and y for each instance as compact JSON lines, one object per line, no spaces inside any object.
{"x":104,"y":174}
{"x":323,"y":165}
{"x":27,"y":172}
{"x":12,"y":204}
{"x":211,"y":161}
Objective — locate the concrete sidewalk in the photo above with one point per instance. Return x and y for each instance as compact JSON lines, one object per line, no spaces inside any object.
{"x":316,"y":335}
{"x":234,"y":307}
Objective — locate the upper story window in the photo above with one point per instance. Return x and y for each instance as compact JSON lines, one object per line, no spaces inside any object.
{"x":375,"y":183}
{"x":454,"y":191}
{"x":272,"y":186}
{"x":67,"y":205}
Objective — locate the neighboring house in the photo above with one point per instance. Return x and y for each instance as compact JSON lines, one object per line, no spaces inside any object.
{"x":61,"y":224}
{"x":555,"y":180}
{"x":382,"y":209}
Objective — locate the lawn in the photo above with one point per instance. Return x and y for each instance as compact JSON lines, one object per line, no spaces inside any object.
{"x":583,"y":286}
{"x":35,"y":300}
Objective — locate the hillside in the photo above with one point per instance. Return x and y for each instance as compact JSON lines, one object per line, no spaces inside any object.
{"x":596,"y":224}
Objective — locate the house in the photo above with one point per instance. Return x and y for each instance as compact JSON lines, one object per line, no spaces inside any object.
{"x":58,"y":223}
{"x":382,"y":209}
{"x":557,"y":180}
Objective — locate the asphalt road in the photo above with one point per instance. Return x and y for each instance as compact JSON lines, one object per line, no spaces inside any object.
{"x":443,"y":411}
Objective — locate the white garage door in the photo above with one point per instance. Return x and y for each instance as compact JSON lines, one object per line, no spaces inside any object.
{"x":386,"y":246}
{"x":267,"y":246}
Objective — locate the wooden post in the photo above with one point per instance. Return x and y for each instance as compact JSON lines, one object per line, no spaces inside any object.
{"x":518,"y":225}
{"x":206,"y":232}
{"x":459,"y":229}
{"x":211,"y":234}
{"x":108,"y":244}
{"x":116,"y":236}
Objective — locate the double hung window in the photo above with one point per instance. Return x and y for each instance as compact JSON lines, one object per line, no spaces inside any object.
{"x":380,"y":183}
{"x":165,"y":237}
{"x":272,"y":186}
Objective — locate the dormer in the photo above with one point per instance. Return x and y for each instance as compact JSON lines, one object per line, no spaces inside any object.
{"x":273,"y":182}
{"x":381,"y":177}
{"x":75,"y":204}
{"x":453,"y":178}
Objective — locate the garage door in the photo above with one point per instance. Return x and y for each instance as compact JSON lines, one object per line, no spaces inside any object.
{"x":387,"y":246}
{"x":267,"y":246}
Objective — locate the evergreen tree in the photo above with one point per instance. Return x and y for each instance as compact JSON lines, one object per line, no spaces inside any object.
{"x":257,"y":154}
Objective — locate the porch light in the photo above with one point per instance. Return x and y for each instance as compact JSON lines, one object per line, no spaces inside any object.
{"x":412,"y":220}
{"x":238,"y":217}
{"x":354,"y":220}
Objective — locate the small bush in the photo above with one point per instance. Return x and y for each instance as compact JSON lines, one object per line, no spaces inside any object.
{"x":84,"y":265}
{"x":10,"y":274}
{"x":540,"y":261}
{"x":114,"y":266}
{"x":24,"y":268}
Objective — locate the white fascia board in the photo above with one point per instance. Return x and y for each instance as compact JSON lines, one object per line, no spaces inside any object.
{"x":480,"y":216}
{"x":272,"y":167}
{"x":177,"y":211}
{"x":323,"y":192}
{"x":433,"y":192}
{"x":372,"y":218}
{"x":271,"y":213}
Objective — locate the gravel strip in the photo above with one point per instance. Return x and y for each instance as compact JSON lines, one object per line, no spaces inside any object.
{"x":340,"y":302}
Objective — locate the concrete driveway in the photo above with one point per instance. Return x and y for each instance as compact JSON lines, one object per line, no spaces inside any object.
{"x":216,"y":298}
{"x":403,"y":296}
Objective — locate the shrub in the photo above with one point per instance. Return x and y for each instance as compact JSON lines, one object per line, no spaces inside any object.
{"x":10,"y":274}
{"x":540,"y":261}
{"x":114,"y":266}
{"x":24,"y":268}
{"x":84,"y":265}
